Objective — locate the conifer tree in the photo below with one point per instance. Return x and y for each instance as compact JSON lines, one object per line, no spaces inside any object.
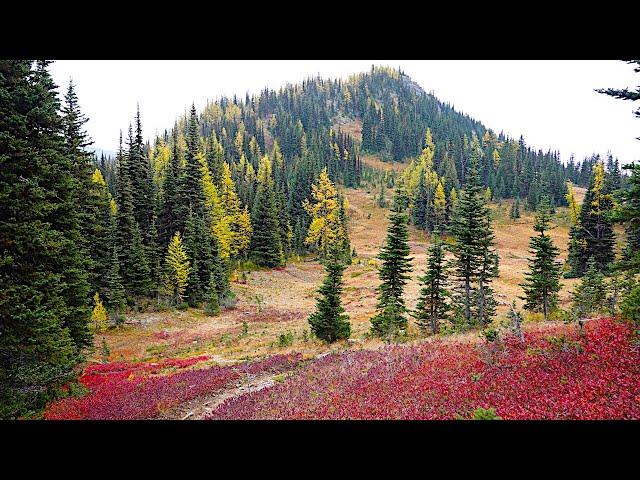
{"x":76,"y":142}
{"x":99,"y":315}
{"x":514,"y":213}
{"x":591,"y":294}
{"x":212,"y":299}
{"x":133,"y":259}
{"x":439,"y":207}
{"x":233,"y":228}
{"x":219,"y":269}
{"x":140,"y":178}
{"x":474,"y":261}
{"x":153,"y":251}
{"x":189,"y":188}
{"x":345,"y":246}
{"x":44,"y":305}
{"x":396,"y":264}
{"x":329,"y":322}
{"x":114,"y":291}
{"x":100,"y":233}
{"x":266,"y":245}
{"x":168,"y":221}
{"x":542,"y":282}
{"x":198,"y":249}
{"x":432,"y":307}
{"x":629,"y":214}
{"x":326,"y":230}
{"x":177,"y":270}
{"x":593,"y":237}
{"x":484,"y":295}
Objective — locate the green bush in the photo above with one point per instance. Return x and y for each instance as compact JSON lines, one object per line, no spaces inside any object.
{"x":228,"y":300}
{"x":491,"y":334}
{"x":485,"y":414}
{"x":630,"y":307}
{"x":285,"y":339}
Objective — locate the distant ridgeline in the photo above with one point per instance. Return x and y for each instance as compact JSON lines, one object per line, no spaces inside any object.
{"x":394,"y":114}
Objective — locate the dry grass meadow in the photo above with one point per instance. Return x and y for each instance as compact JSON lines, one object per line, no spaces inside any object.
{"x":273,"y":303}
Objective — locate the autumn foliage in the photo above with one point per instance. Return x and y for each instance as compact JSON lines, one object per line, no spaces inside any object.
{"x":131,"y":391}
{"x":557,"y":373}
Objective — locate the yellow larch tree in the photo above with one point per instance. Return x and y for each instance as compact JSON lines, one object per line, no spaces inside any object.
{"x":326,"y":230}
{"x":574,"y":208}
{"x":99,"y":315}
{"x":234,"y":228}
{"x":178,"y":269}
{"x":440,"y":204}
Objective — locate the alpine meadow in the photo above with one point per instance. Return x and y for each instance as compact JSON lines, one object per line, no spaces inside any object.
{"x":350,"y":248}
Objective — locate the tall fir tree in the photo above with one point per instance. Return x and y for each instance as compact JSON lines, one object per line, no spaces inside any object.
{"x":76,"y":141}
{"x":44,"y":307}
{"x":542,"y":282}
{"x":189,"y":189}
{"x":473,"y":258}
{"x":329,"y":321}
{"x":432,"y":307}
{"x":484,"y":296}
{"x":593,"y":237}
{"x":590,"y":295}
{"x":266,"y":244}
{"x":168,"y":221}
{"x":396,"y":264}
{"x":141,"y":179}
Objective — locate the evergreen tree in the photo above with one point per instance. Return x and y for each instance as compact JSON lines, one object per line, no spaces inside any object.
{"x":345,"y":245}
{"x":198,"y":249}
{"x":114,"y":292}
{"x":189,"y":188}
{"x":266,"y":245}
{"x":76,"y":142}
{"x":100,"y":233}
{"x":432,"y":307}
{"x":484,"y":295}
{"x":593,"y":237}
{"x":474,"y":261}
{"x":141,"y":179}
{"x":542,"y":282}
{"x":590,"y":295}
{"x":44,"y":305}
{"x":629,"y":215}
{"x":329,"y":322}
{"x":212,"y":299}
{"x":625,"y":93}
{"x":396,"y":264}
{"x":133,"y":259}
{"x":514,"y":213}
{"x":168,"y":221}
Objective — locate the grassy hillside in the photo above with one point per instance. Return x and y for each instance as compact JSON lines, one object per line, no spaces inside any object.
{"x":270,"y":320}
{"x":277,"y":302}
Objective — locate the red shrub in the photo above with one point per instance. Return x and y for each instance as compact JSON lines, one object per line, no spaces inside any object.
{"x":562,"y":377}
{"x":131,"y":391}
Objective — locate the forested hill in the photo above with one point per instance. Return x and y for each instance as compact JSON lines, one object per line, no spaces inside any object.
{"x":393,"y":113}
{"x":302,"y":129}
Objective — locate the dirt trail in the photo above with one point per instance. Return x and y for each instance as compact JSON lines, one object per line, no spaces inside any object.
{"x":199,"y":408}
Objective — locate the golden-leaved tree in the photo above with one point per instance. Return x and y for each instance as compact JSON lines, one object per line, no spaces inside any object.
{"x":178,"y":268}
{"x":327,"y":230}
{"x":230,"y":223}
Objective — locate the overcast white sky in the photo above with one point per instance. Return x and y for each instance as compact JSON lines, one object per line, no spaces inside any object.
{"x":552,"y":103}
